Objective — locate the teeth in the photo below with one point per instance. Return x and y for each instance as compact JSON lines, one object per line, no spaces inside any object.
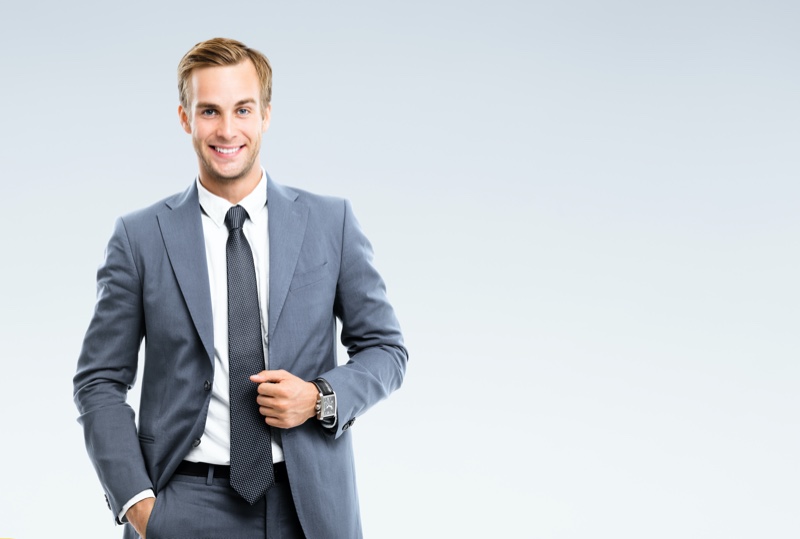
{"x":226,"y":150}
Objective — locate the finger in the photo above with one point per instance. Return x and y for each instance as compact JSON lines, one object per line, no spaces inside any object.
{"x":260,"y":377}
{"x":271,"y":416}
{"x":277,"y":405}
{"x":268,"y":376}
{"x":269,"y":401}
{"x":279,"y":423}
{"x":270,"y":389}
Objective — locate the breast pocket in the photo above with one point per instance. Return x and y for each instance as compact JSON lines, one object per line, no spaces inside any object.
{"x":309,"y":277}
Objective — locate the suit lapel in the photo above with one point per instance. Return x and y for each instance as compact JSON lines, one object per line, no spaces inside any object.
{"x":182,"y":231}
{"x":287,"y":227}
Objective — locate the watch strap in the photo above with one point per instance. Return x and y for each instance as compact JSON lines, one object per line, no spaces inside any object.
{"x":323,"y":386}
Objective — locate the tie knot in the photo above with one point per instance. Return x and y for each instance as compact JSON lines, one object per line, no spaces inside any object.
{"x":235,"y":217}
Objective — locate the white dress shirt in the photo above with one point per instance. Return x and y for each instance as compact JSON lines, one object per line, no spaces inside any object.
{"x":215,"y":444}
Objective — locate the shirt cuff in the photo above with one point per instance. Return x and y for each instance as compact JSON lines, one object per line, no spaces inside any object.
{"x":139,"y":497}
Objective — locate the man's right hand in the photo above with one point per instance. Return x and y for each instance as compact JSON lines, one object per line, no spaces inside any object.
{"x":139,"y":514}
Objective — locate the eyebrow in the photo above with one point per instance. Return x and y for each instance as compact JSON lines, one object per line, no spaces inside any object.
{"x":239,"y":103}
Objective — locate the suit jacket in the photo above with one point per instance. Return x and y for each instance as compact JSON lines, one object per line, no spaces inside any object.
{"x":153,"y":285}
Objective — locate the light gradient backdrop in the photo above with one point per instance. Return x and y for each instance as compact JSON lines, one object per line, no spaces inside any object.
{"x":586,"y":213}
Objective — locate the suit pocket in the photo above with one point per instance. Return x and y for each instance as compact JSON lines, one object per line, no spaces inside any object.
{"x":309,"y":277}
{"x":151,"y":528}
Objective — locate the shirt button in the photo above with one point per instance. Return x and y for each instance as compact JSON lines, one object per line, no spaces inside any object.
{"x":196,"y":442}
{"x":207,"y":385}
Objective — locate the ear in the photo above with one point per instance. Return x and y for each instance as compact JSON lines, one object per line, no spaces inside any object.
{"x":184,"y":119}
{"x":265,"y":120}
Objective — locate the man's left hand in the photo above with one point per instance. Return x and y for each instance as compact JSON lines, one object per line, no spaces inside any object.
{"x":285,"y":400}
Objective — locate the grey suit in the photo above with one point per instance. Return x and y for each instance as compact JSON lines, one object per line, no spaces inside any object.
{"x":153,"y":284}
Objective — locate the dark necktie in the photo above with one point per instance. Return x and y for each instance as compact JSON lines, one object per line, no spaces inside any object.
{"x":251,"y":453}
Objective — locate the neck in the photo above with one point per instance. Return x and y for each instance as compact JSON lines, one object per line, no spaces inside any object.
{"x":232,"y":190}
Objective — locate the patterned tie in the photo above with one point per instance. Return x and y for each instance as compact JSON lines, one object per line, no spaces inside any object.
{"x":251,"y":452}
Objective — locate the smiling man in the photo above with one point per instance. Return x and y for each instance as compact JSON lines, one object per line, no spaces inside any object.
{"x":236,"y":286}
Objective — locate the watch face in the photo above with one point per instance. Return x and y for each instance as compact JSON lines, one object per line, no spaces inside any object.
{"x":327,"y":407}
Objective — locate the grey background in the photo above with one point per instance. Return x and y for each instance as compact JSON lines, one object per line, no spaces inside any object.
{"x":586,"y":213}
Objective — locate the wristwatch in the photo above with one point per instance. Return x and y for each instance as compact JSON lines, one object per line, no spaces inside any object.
{"x":326,"y":403}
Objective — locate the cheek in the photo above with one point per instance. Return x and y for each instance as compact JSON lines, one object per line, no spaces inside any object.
{"x":199,"y":133}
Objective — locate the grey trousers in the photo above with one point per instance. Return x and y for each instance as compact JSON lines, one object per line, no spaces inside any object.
{"x":199,"y":508}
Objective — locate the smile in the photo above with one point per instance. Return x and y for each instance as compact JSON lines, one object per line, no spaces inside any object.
{"x":227,"y":151}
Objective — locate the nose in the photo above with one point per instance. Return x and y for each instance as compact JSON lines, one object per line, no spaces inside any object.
{"x":225,"y":127}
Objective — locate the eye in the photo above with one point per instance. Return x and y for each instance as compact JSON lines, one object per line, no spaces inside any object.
{"x":208,"y":112}
{"x":243,"y":111}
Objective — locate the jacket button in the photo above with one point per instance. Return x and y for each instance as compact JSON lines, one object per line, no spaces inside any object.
{"x":207,"y":385}
{"x":196,"y":442}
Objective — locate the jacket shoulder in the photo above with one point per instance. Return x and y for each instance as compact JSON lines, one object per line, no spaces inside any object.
{"x":319,"y":204}
{"x":149,"y":213}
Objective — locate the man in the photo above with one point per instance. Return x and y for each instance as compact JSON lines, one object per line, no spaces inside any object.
{"x":235,"y":286}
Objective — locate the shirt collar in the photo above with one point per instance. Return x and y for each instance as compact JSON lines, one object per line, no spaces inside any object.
{"x":217,"y":207}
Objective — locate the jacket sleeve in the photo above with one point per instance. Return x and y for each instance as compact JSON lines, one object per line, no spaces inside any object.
{"x":107,"y":369}
{"x":370,"y":330}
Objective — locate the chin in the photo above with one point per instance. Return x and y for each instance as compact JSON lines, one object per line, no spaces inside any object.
{"x":227,"y":175}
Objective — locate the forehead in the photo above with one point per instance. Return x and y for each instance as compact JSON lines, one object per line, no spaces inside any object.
{"x":223,"y":85}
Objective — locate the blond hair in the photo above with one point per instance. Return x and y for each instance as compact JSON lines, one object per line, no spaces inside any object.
{"x":223,"y":52}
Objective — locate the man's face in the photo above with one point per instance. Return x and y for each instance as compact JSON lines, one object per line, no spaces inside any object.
{"x":226,"y":122}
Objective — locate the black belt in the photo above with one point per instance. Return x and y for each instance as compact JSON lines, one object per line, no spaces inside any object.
{"x":200,"y":469}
